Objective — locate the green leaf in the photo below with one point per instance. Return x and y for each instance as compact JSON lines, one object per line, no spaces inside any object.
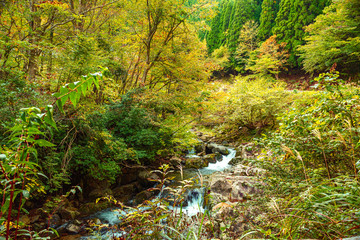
{"x":64,"y":99}
{"x":44,"y":143}
{"x":74,"y":98}
{"x":83,"y":89}
{"x":26,"y":193}
{"x":60,"y":106}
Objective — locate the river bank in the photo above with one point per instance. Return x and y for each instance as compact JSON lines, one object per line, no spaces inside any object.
{"x":74,"y":219}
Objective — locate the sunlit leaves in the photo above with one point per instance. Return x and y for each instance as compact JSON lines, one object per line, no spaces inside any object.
{"x":334,"y":38}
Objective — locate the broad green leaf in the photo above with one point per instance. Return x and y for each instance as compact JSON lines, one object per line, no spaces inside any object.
{"x":74,"y":97}
{"x":60,"y":106}
{"x":63,"y":99}
{"x":44,"y":143}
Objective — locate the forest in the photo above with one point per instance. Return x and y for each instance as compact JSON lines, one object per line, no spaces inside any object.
{"x":122,"y":108}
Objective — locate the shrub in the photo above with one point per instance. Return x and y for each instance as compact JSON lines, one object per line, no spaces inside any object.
{"x":254,"y":103}
{"x":324,"y":129}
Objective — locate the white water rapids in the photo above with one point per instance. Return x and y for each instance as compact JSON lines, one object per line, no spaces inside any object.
{"x":195,"y":197}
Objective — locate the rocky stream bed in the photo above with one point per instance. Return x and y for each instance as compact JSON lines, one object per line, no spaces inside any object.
{"x":226,"y":182}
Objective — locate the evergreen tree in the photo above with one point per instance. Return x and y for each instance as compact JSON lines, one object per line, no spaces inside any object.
{"x":292,"y":17}
{"x":243,"y":11}
{"x":225,"y":21}
{"x":213,"y":39}
{"x":269,"y":9}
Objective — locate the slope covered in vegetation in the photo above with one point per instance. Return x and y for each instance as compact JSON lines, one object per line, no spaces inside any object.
{"x":90,"y":90}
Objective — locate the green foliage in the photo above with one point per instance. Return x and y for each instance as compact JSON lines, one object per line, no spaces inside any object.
{"x":323,"y":128}
{"x":299,"y":208}
{"x":226,"y":25}
{"x":292,"y":17}
{"x":243,"y":11}
{"x":269,"y":9}
{"x":311,"y":184}
{"x":254,"y":104}
{"x":134,"y":125}
{"x":270,"y":58}
{"x":334,"y":39}
{"x":248,"y":42}
{"x":18,"y":168}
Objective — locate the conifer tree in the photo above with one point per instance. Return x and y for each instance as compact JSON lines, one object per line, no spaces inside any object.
{"x":243,"y":11}
{"x":269,"y":9}
{"x":225,"y":21}
{"x":292,"y":17}
{"x":213,"y":39}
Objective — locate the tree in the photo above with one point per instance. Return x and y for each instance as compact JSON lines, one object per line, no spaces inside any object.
{"x":248,"y":42}
{"x":216,"y":34}
{"x":271,"y":57}
{"x":292,"y":17}
{"x":334,"y":38}
{"x":243,"y":11}
{"x":269,"y":9}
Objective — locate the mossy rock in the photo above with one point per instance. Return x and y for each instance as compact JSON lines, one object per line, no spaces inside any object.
{"x":196,"y":163}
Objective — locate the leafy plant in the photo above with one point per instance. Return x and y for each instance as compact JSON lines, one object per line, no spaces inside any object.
{"x":18,"y":168}
{"x":254,"y":104}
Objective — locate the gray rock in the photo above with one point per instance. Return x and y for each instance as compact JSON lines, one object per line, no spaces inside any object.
{"x":126,"y":192}
{"x":236,"y":161}
{"x":69,"y":213}
{"x":99,"y":192}
{"x":72,"y":228}
{"x":142,"y":196}
{"x":55,"y":221}
{"x":175,"y":162}
{"x":215,"y":148}
{"x":147,"y":178}
{"x":199,"y":147}
{"x":197,"y":163}
{"x":211,"y":158}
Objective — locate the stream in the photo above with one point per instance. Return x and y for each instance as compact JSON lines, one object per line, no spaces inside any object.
{"x":193,"y":203}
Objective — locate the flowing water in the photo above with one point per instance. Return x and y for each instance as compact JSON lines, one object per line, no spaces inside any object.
{"x":194,"y":199}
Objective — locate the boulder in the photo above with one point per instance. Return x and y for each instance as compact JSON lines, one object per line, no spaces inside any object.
{"x":129,"y":175}
{"x":199,"y":147}
{"x":215,"y":148}
{"x":143,"y":195}
{"x":126,"y":192}
{"x":55,"y":221}
{"x":211,"y":158}
{"x":222,"y":187}
{"x":221,"y":149}
{"x":72,"y":228}
{"x":99,"y":192}
{"x":197,"y":162}
{"x":233,"y":189}
{"x":69,"y":213}
{"x":92,"y":207}
{"x":175,"y":162}
{"x":147,"y":178}
{"x":96,"y":188}
{"x":235,"y":161}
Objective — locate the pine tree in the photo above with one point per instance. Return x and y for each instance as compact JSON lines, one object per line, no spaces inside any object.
{"x":213,"y":39}
{"x":243,"y":11}
{"x":225,"y":21}
{"x":269,"y":9}
{"x":292,"y":17}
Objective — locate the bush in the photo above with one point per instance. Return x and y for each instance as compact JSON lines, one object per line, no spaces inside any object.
{"x":254,"y":103}
{"x":324,"y":128}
